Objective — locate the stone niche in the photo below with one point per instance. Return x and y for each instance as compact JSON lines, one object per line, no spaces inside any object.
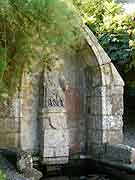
{"x":74,"y":111}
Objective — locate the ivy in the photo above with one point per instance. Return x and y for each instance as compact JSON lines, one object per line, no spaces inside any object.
{"x":2,"y":176}
{"x":33,"y":32}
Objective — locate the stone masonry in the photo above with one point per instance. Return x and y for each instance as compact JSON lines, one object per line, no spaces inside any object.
{"x":73,"y":111}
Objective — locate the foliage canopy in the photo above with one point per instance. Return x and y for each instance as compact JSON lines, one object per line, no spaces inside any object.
{"x":32,"y":30}
{"x":114,"y":29}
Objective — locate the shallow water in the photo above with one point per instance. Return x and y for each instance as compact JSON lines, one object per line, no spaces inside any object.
{"x":89,"y":177}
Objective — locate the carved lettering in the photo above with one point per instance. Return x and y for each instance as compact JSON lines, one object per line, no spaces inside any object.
{"x":55,"y":102}
{"x":50,"y":102}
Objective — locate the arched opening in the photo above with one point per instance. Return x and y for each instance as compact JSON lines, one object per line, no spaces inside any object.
{"x":63,"y":118}
{"x":80,"y":112}
{"x":83,"y":105}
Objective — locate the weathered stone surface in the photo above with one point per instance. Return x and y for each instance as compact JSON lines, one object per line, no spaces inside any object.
{"x":54,"y":138}
{"x":101,"y":56}
{"x":114,"y":136}
{"x":117,"y":105}
{"x":120,"y":153}
{"x":96,"y":136}
{"x":56,"y":120}
{"x":12,"y":174}
{"x":9,"y":140}
{"x":29,"y":105}
{"x":33,"y":174}
{"x":105,"y":122}
{"x":24,"y":161}
{"x":55,"y":160}
{"x":78,"y":104}
{"x":96,"y":150}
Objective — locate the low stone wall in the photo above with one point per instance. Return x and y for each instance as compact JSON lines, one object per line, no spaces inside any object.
{"x":120,"y":153}
{"x":117,"y":153}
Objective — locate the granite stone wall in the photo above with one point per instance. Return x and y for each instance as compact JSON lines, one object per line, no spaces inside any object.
{"x":71,"y":112}
{"x":9,"y":122}
{"x":105,"y":101}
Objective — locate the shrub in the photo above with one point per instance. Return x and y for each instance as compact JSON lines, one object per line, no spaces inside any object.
{"x":2,"y":175}
{"x":114,"y":29}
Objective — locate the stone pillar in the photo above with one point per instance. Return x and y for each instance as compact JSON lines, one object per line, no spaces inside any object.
{"x":104,"y":100}
{"x":54,"y":145}
{"x":105,"y":120}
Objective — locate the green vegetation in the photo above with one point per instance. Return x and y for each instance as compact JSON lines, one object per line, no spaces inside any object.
{"x":114,"y":29}
{"x":31,"y":32}
{"x":2,"y":175}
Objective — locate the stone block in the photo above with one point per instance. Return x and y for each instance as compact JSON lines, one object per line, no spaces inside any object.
{"x":73,"y":123}
{"x":9,"y":125}
{"x":95,"y":105}
{"x":48,"y":151}
{"x":96,"y":150}
{"x":106,"y":105}
{"x":73,"y":101}
{"x":74,"y":149}
{"x":95,"y":136}
{"x":98,"y":51}
{"x":105,"y":136}
{"x":117,"y":105}
{"x":55,"y":160}
{"x":106,"y":74}
{"x":117,"y":90}
{"x":100,"y":105}
{"x":112,"y":122}
{"x":98,"y":91}
{"x":74,"y":136}
{"x":118,"y":119}
{"x":54,"y":138}
{"x":110,"y":75}
{"x":32,"y":174}
{"x":114,"y":136}
{"x":83,"y":132}
{"x":108,"y":122}
{"x":116,"y":78}
{"x":62,"y":151}
{"x":92,"y":76}
{"x":54,"y":121}
{"x":120,"y":153}
{"x":9,"y":140}
{"x":105,"y":122}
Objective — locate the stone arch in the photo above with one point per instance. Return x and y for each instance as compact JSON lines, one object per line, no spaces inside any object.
{"x":106,"y":100}
{"x":91,"y":115}
{"x":89,"y":92}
